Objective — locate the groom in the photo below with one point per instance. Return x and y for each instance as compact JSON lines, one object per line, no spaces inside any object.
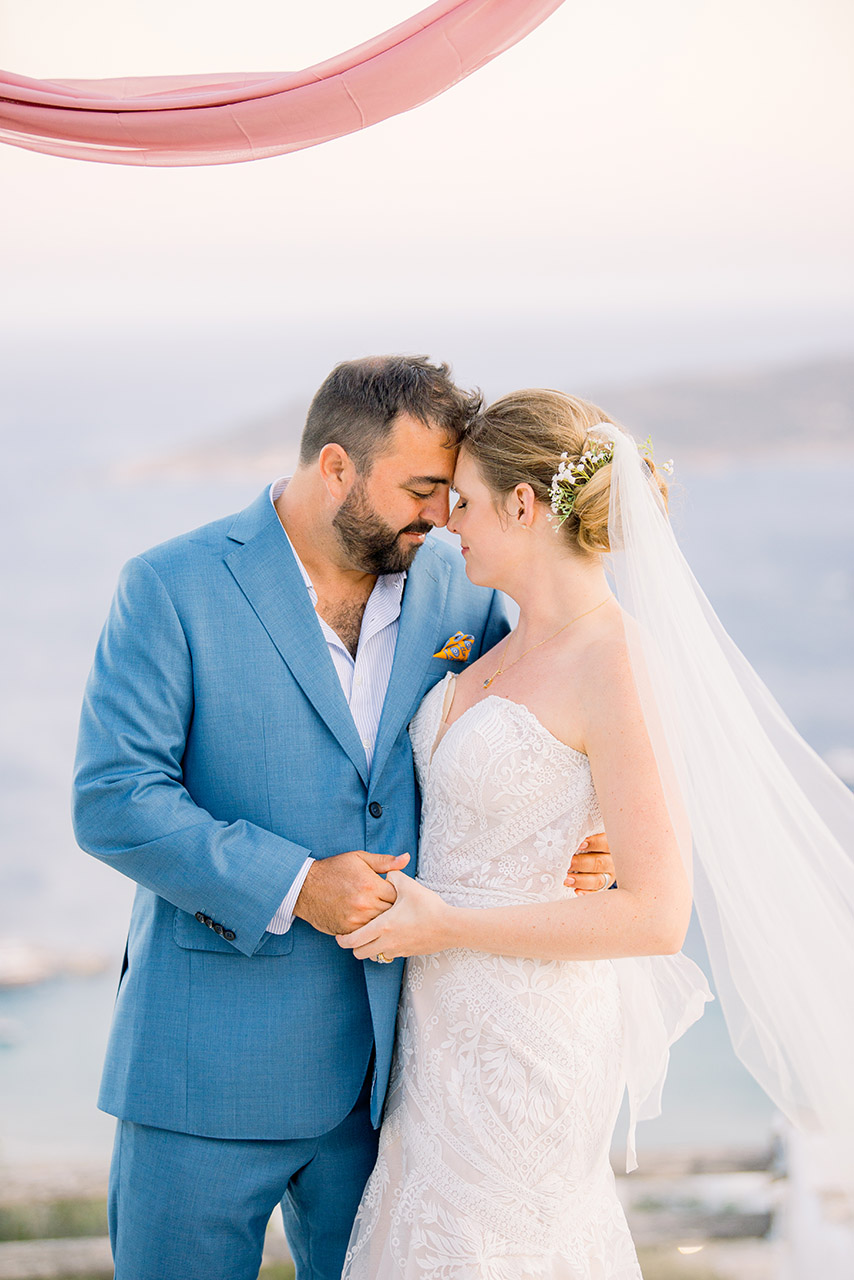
{"x":243,"y":756}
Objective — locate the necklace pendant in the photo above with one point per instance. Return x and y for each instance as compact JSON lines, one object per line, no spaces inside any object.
{"x":488,"y":681}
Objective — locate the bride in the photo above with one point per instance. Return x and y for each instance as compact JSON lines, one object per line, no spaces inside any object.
{"x":527,"y":1011}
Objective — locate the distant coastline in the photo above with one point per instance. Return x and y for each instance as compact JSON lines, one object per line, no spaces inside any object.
{"x":792,"y":410}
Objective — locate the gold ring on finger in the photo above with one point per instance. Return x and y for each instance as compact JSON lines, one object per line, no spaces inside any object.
{"x":381,"y":959}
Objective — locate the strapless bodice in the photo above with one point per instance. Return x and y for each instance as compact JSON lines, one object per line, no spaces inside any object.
{"x":505,"y":803}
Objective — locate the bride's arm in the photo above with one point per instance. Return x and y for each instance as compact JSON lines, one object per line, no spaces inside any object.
{"x":647,"y":915}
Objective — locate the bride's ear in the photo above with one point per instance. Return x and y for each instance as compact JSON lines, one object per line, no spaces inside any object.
{"x":522,"y":506}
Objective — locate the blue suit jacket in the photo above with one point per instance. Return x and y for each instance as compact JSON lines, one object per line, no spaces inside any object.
{"x":216,"y":751}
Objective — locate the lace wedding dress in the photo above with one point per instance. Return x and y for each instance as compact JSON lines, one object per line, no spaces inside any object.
{"x":508,"y":1074}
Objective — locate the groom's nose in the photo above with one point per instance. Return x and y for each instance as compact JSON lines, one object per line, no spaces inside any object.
{"x":438,"y":509}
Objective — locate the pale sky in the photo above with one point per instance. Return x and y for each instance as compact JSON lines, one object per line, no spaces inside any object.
{"x":625,"y":154}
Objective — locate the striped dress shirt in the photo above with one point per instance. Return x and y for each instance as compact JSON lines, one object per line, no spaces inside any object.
{"x":364,"y":679}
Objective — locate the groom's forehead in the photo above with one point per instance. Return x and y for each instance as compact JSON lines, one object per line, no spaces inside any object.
{"x":421,"y":454}
{"x":428,"y":480}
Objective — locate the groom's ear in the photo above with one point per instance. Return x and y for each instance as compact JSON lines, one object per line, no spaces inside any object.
{"x":336,"y":470}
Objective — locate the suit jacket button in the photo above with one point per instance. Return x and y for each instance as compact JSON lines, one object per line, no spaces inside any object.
{"x":209,"y":922}
{"x":200,"y":916}
{"x":375,"y":810}
{"x":217,"y":928}
{"x":229,"y":935}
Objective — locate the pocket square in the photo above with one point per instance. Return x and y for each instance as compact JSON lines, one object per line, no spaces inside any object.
{"x":457,"y":646}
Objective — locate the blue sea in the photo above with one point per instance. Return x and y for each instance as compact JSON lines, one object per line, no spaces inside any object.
{"x":770,"y":541}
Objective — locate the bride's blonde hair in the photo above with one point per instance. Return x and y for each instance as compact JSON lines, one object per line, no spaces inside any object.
{"x":519,"y":440}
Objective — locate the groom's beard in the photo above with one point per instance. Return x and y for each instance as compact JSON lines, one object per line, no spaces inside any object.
{"x":372,"y":545}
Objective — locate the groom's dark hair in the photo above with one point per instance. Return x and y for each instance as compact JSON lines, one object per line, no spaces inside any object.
{"x":357,"y":405}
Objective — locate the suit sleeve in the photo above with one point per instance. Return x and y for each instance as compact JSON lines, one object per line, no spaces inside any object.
{"x":130,"y":807}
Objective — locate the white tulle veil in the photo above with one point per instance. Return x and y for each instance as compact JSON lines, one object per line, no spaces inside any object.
{"x":771,"y":843}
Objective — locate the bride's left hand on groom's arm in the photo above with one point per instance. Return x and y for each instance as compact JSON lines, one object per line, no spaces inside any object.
{"x":592,"y":867}
{"x":417,"y":924}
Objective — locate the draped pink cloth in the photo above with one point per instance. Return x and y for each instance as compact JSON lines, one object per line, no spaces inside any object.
{"x":223,"y":119}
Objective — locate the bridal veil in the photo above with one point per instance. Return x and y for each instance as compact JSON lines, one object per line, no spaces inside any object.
{"x":771,"y":833}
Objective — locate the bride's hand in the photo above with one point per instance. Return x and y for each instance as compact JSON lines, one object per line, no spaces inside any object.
{"x":417,"y":924}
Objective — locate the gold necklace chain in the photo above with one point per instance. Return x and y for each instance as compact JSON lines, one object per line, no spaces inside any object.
{"x":502,"y":668}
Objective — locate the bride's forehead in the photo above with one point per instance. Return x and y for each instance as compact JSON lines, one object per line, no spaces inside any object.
{"x":467,"y":473}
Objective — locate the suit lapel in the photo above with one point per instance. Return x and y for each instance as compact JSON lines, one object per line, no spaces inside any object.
{"x":420,"y":620}
{"x":264,"y":567}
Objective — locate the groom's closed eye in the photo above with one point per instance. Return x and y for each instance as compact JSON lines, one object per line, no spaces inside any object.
{"x":417,"y":484}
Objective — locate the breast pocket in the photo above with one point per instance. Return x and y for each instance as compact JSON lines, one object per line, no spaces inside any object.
{"x":192,"y":935}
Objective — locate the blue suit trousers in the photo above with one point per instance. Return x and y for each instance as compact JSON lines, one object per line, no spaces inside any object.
{"x":184,"y":1207}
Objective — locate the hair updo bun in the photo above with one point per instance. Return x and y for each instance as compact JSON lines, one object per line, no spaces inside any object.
{"x":519,"y":440}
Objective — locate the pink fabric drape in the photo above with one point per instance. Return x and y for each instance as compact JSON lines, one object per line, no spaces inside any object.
{"x":223,"y":119}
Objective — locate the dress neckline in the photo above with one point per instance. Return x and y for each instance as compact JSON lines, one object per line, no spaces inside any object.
{"x":439,"y":736}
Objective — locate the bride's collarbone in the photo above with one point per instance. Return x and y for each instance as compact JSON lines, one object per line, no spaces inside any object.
{"x":545,"y":695}
{"x":549,"y":682}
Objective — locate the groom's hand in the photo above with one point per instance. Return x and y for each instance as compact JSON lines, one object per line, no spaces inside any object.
{"x":591,"y":863}
{"x":342,"y":893}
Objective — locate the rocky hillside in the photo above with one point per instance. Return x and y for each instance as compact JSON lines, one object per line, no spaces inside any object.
{"x":794,"y":409}
{"x":797,"y":409}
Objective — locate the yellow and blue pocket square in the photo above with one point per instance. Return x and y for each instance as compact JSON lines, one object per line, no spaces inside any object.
{"x":458,"y":646}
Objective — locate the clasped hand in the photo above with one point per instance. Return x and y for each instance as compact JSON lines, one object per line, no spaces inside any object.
{"x":417,"y":924}
{"x":371,"y":907}
{"x":344,"y":892}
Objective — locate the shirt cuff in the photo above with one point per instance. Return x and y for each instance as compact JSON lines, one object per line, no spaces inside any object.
{"x":284,"y":917}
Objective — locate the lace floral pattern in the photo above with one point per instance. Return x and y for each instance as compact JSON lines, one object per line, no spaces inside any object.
{"x":508,"y":1073}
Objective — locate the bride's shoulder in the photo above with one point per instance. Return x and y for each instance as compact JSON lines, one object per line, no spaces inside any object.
{"x":607,"y":638}
{"x":603,"y":665}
